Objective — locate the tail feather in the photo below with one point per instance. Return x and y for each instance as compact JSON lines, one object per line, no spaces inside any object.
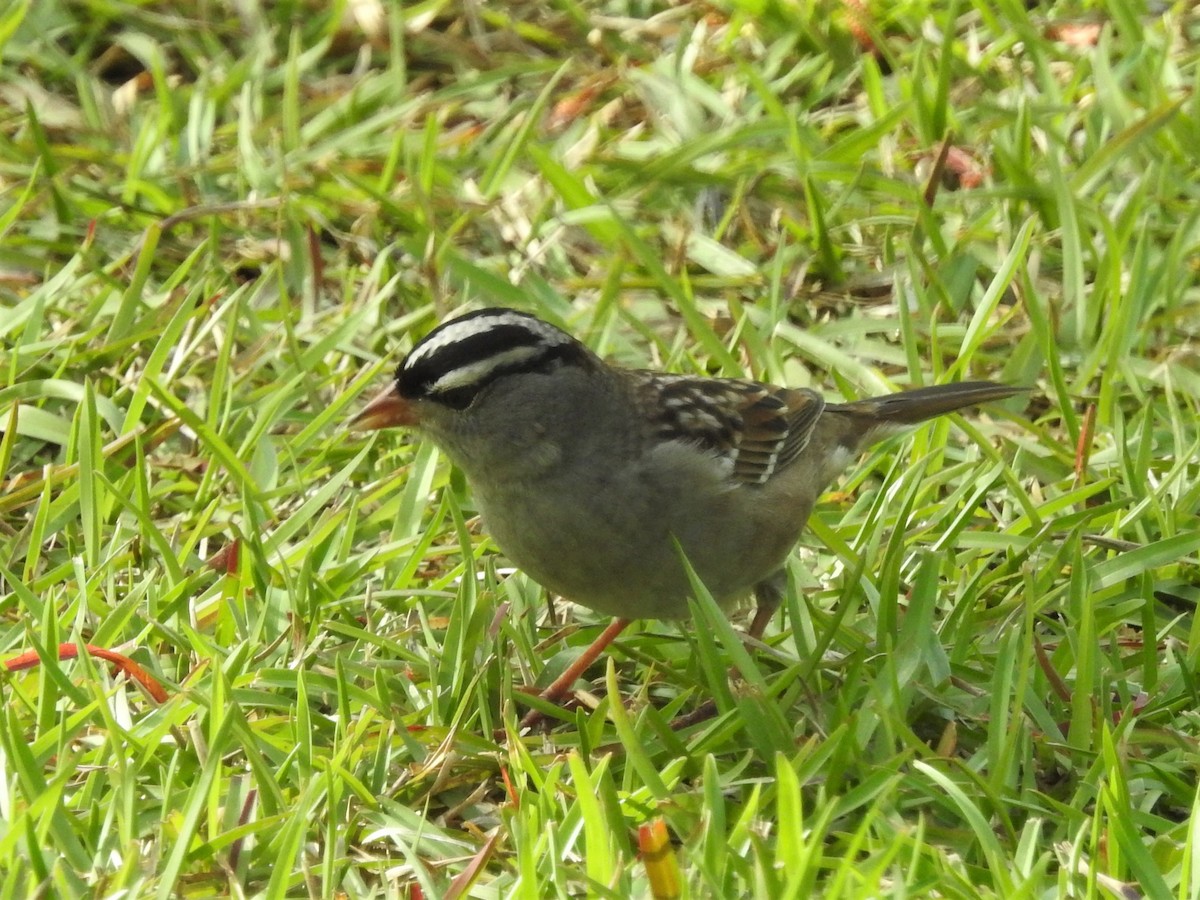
{"x":919,"y":404}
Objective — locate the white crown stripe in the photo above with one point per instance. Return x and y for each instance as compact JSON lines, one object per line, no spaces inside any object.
{"x":478,"y":372}
{"x":463,"y":329}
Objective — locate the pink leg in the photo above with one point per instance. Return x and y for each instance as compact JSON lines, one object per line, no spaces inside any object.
{"x":563,"y":682}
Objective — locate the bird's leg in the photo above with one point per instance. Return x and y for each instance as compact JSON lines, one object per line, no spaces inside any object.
{"x":563,"y":682}
{"x":767,"y":595}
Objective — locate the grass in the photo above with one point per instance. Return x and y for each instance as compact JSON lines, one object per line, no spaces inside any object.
{"x":220,"y":226}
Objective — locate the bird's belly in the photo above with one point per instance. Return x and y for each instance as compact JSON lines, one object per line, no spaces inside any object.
{"x":594,"y":552}
{"x":621,"y":554}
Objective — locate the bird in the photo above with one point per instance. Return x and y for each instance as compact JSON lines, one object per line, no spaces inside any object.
{"x":599,"y":481}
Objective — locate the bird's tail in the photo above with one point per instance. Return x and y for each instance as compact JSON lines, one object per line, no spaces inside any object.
{"x":919,"y":404}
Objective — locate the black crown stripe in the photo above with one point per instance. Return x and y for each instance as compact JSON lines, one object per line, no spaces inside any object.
{"x":419,"y":374}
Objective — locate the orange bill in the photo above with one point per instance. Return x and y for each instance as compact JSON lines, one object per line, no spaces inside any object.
{"x":387,"y":409}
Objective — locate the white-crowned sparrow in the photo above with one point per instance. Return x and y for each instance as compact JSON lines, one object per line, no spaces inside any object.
{"x":592,"y":477}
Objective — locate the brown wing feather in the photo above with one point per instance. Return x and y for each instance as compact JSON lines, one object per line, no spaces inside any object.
{"x":758,"y":428}
{"x":804,"y":408}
